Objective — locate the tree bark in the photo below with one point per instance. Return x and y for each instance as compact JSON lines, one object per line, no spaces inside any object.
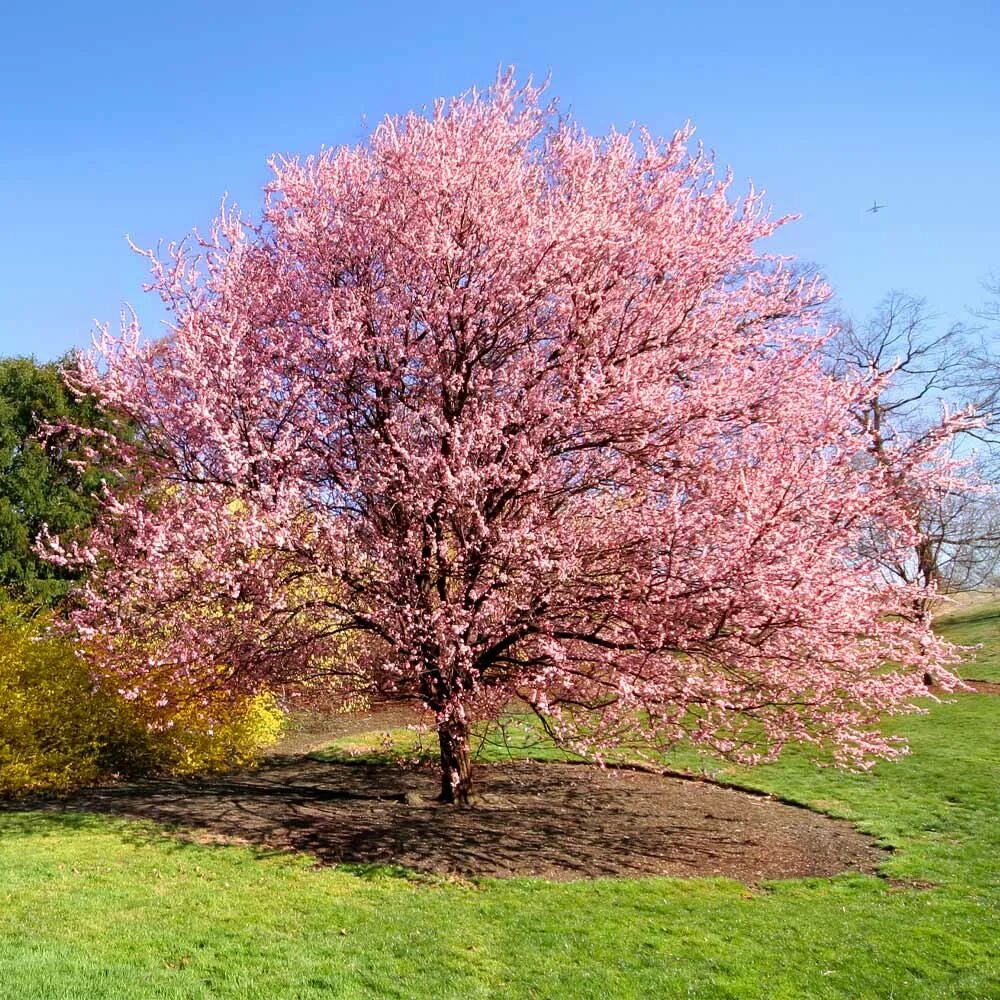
{"x":456,"y":765}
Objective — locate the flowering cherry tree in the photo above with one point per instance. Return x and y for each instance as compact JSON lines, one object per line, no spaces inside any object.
{"x":488,"y":408}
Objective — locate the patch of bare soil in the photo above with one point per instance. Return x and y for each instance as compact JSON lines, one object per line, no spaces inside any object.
{"x":557,"y":821}
{"x":980,"y":687}
{"x":310,"y":730}
{"x":964,"y":600}
{"x":984,"y":687}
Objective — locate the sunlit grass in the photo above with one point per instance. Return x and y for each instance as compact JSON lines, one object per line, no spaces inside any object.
{"x":95,"y":908}
{"x":977,"y":626}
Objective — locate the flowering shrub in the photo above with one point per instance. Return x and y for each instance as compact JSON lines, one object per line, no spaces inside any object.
{"x":233,"y":737}
{"x":59,"y":729}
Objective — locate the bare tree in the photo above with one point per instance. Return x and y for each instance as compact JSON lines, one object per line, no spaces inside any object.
{"x":917,"y":371}
{"x":984,"y":369}
{"x":990,"y":311}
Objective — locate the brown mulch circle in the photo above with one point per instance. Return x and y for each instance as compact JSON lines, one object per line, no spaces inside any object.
{"x":556,"y":821}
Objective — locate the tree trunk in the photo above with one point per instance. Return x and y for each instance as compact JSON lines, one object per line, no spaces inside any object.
{"x":927,"y":566}
{"x":456,"y":767}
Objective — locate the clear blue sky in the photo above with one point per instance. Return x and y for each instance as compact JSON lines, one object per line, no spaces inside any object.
{"x":135,"y":118}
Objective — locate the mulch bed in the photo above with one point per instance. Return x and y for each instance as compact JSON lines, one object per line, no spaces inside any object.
{"x":557,"y":821}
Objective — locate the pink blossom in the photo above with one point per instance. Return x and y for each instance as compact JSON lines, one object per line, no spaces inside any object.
{"x":489,"y":408}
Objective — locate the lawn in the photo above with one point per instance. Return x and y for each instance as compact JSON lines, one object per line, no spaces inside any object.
{"x":976,"y":625}
{"x":93,"y":907}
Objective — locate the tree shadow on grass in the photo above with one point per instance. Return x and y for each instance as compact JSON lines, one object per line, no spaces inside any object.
{"x":556,"y":821}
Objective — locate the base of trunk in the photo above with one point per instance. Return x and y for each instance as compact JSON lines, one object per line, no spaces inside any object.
{"x":456,"y":765}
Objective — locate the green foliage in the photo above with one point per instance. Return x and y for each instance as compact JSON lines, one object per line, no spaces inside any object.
{"x":59,"y":730}
{"x":41,"y":485}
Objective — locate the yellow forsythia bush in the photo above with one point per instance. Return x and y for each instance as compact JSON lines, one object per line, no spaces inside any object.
{"x":59,"y":730}
{"x":193,"y":745}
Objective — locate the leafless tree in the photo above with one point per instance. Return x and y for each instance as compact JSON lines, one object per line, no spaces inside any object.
{"x":916,"y":370}
{"x":984,"y":368}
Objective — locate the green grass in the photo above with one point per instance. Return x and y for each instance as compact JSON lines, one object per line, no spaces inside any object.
{"x":96,"y":908}
{"x":978,"y":625}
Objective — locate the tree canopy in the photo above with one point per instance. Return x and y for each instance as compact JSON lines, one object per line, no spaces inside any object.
{"x":488,"y":408}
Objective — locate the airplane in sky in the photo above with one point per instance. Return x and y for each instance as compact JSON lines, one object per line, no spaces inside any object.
{"x":875,"y":207}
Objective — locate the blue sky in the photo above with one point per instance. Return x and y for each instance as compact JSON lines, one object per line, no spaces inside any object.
{"x":125,"y":118}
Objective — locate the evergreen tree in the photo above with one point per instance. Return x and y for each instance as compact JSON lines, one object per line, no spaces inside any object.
{"x":51,"y":483}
